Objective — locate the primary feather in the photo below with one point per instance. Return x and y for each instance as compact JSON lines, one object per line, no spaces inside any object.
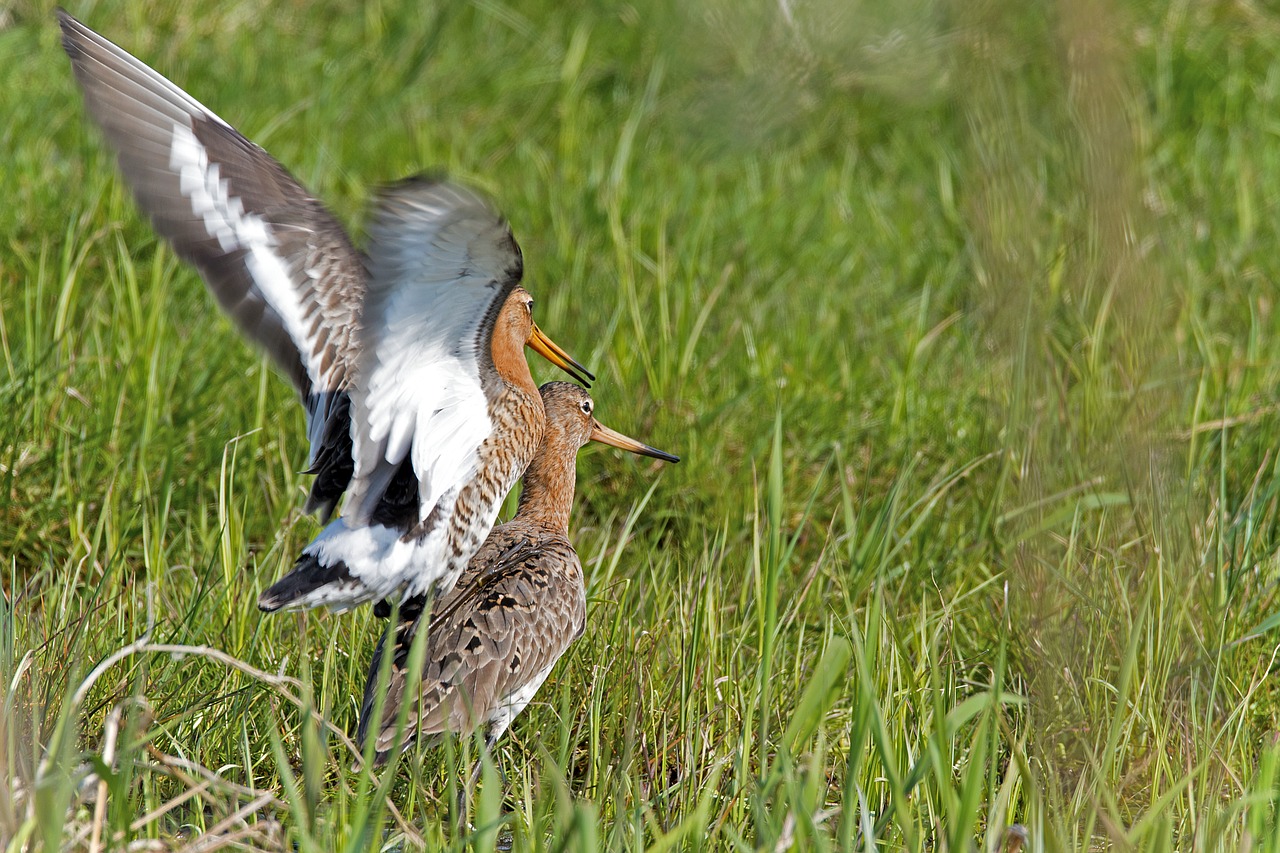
{"x":275,"y":259}
{"x":430,"y":463}
{"x":391,"y":354}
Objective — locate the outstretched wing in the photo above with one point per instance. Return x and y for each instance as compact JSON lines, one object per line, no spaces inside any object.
{"x":441,"y":263}
{"x":278,"y":263}
{"x":490,"y":645}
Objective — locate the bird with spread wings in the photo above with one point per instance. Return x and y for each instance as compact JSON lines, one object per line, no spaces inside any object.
{"x":408,"y":358}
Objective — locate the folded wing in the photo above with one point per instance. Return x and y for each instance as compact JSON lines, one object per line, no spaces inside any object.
{"x":491,"y":644}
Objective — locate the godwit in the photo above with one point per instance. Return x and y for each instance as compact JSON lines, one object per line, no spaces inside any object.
{"x":492,"y":640}
{"x":409,"y":361}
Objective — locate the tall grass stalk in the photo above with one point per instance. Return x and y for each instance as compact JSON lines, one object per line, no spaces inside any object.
{"x":961,"y":317}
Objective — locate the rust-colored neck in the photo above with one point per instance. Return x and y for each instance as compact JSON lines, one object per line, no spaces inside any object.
{"x":547,"y":498}
{"x":510,"y":333}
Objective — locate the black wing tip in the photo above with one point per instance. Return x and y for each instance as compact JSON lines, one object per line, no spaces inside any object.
{"x":438,"y":181}
{"x":307,"y":576}
{"x":410,"y":608}
{"x":271,"y":601}
{"x":425,"y":179}
{"x":367,"y":727}
{"x":419,"y":183}
{"x":322,"y":508}
{"x":80,"y":42}
{"x":73,"y":33}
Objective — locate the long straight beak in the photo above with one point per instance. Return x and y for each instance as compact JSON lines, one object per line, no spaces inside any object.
{"x":551,"y":351}
{"x":604,"y":435}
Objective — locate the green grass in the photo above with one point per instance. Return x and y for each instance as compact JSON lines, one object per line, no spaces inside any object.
{"x":962,"y":317}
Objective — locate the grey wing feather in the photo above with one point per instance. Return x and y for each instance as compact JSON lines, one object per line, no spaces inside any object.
{"x":278,"y":263}
{"x":441,"y":263}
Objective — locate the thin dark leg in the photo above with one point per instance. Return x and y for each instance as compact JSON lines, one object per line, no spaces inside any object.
{"x":489,"y":742}
{"x":460,"y":805}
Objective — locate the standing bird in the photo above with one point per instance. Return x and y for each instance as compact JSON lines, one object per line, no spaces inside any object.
{"x":409,"y":361}
{"x":492,"y":640}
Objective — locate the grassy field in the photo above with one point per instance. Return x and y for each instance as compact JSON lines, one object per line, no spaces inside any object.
{"x":962,"y":315}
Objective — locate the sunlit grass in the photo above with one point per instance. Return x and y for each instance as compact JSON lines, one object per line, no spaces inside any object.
{"x":961,"y":318}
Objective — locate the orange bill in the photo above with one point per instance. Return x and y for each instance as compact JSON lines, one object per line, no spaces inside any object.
{"x":551,"y":351}
{"x":604,"y":435}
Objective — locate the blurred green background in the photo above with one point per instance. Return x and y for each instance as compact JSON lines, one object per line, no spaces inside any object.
{"x":960,"y":314}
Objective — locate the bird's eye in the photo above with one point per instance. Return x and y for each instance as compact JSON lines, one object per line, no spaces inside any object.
{"x":586,"y":406}
{"x":528,"y":306}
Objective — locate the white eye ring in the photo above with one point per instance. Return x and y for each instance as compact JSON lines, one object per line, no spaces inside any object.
{"x":586,"y":406}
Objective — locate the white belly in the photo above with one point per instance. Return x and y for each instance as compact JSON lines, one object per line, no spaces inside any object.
{"x":514,"y":702}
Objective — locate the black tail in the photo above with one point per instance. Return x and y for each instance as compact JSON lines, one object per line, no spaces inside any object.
{"x":333,"y":465}
{"x":307,"y":576}
{"x":400,"y":636}
{"x":368,"y":725}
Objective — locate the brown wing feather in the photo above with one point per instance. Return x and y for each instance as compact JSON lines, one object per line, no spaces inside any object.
{"x":523,"y":607}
